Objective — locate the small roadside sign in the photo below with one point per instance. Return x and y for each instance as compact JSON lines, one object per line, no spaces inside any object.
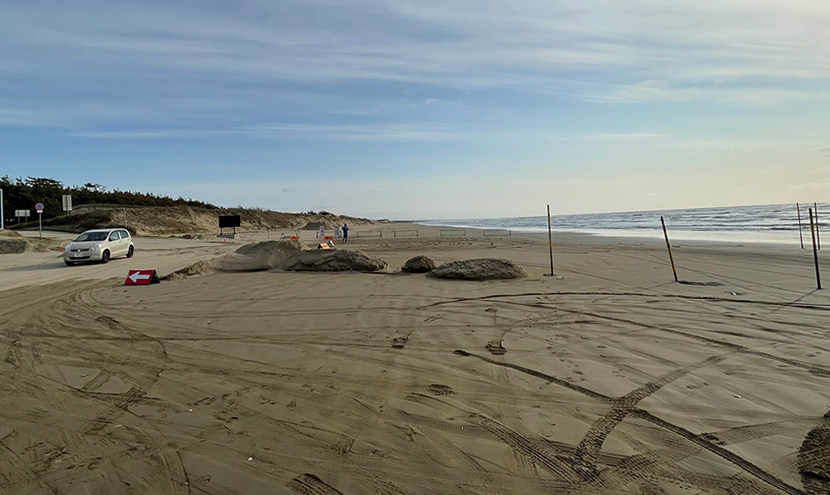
{"x":67,"y":202}
{"x":39,"y":208}
{"x":22,"y":213}
{"x":141,"y":277}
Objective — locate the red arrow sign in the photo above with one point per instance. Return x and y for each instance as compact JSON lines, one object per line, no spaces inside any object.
{"x":141,"y":277}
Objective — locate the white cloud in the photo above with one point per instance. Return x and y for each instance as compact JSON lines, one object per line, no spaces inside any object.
{"x":456,"y":44}
{"x":659,"y":90}
{"x":376,"y":132}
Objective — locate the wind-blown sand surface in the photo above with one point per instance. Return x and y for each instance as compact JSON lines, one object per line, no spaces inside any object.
{"x":615,"y":378}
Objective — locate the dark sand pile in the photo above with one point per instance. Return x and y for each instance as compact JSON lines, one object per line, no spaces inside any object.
{"x":13,"y":246}
{"x":282,"y":255}
{"x":333,"y":261}
{"x":418,"y":264}
{"x":479,"y":269}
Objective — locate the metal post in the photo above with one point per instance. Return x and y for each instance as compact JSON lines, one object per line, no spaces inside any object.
{"x":550,"y":243}
{"x":2,"y":213}
{"x":815,"y":251}
{"x":40,"y":225}
{"x":668,"y":246}
{"x":818,"y":236}
{"x":800,"y":236}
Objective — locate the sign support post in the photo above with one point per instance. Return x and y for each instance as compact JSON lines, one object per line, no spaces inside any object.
{"x":550,"y":243}
{"x":39,"y":208}
{"x":800,"y":236}
{"x":815,"y":250}
{"x":668,"y":246}
{"x":2,"y":214}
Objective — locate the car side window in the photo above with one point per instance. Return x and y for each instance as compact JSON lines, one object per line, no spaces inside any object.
{"x":124,"y":234}
{"x":114,"y":236}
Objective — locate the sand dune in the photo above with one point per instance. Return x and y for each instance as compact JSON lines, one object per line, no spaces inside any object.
{"x":608,"y":378}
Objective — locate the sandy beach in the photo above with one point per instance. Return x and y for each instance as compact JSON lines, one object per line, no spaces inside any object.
{"x":611,"y":378}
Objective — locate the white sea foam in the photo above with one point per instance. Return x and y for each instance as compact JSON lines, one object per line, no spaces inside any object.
{"x":763,"y":223}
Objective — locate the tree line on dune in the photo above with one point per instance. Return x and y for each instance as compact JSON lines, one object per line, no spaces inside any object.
{"x":20,"y":194}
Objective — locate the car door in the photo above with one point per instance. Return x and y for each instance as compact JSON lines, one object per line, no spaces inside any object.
{"x":115,"y":244}
{"x":125,"y":240}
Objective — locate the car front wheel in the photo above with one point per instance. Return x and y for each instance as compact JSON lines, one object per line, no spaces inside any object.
{"x":105,"y":257}
{"x":130,"y":252}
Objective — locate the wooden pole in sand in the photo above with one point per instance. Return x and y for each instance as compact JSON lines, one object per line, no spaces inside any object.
{"x":818,"y":237}
{"x":550,"y":243}
{"x":668,"y":246}
{"x":800,"y":236}
{"x":815,"y":251}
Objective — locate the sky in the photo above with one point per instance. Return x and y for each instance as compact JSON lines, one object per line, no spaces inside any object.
{"x":423,"y":109}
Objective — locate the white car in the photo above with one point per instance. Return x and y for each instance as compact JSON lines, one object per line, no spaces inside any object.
{"x":99,"y":245}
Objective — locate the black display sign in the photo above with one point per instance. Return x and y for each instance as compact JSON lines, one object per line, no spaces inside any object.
{"x":229,"y":221}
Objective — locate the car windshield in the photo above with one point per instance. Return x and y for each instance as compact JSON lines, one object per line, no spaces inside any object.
{"x":91,"y":236}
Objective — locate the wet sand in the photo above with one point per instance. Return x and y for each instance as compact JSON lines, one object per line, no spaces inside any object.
{"x":615,"y":378}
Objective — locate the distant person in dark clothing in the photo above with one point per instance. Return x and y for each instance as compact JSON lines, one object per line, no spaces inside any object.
{"x":345,"y":233}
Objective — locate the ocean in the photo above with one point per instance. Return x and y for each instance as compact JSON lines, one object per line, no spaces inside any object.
{"x":763,"y":223}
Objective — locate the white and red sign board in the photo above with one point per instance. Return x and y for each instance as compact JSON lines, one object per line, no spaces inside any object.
{"x":142,"y":277}
{"x":39,"y":207}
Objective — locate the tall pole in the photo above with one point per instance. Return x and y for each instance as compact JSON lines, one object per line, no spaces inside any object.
{"x":550,"y":243}
{"x":800,"y":236}
{"x":668,"y":246}
{"x":815,"y":251}
{"x":818,"y":237}
{"x":2,"y":213}
{"x":40,"y":225}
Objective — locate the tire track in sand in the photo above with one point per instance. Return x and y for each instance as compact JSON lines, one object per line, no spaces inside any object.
{"x":700,"y":440}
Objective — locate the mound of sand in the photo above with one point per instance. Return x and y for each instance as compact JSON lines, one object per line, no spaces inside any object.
{"x":14,"y":243}
{"x":9,"y":233}
{"x":479,"y":269}
{"x":418,"y":264}
{"x":253,"y":257}
{"x":259,"y":256}
{"x":333,"y":261}
{"x":13,"y":246}
{"x":282,"y":255}
{"x":153,"y":220}
{"x":194,"y":270}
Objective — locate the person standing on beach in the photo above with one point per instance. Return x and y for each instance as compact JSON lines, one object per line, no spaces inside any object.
{"x":345,"y":233}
